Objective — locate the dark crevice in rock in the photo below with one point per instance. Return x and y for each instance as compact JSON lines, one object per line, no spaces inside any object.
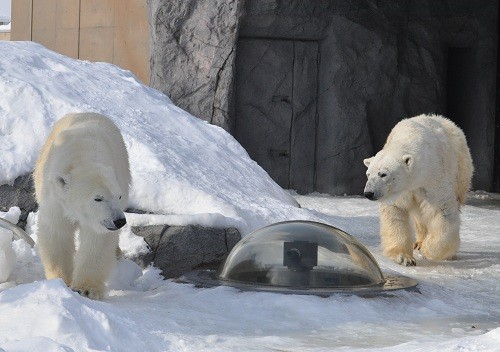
{"x":217,"y":80}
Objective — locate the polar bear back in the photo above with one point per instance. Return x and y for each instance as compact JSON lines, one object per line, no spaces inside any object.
{"x":440,"y":148}
{"x":80,"y":138}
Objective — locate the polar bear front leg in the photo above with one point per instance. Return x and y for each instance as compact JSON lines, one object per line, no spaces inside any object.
{"x":420,"y":230}
{"x":56,"y":243}
{"x":93,"y":262}
{"x":443,"y":239}
{"x":395,"y":235}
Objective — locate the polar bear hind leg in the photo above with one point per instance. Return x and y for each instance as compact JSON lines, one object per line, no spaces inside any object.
{"x":465,"y":167}
{"x":443,"y":239}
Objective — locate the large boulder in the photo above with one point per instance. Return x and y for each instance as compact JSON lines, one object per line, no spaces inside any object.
{"x":21,"y":193}
{"x":179,"y":249}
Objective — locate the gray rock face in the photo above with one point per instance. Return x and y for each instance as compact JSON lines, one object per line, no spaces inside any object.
{"x":379,"y":62}
{"x":276,"y":105}
{"x":318,"y":85}
{"x":179,"y":249}
{"x":21,"y":194}
{"x":192,"y":48}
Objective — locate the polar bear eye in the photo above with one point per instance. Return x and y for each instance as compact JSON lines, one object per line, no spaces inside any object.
{"x":382,"y":175}
{"x":98,"y":199}
{"x":120,"y":197}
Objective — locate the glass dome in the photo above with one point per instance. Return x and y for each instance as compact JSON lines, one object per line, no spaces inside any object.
{"x":300,"y":257}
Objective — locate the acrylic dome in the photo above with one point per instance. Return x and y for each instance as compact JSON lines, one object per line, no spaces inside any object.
{"x":300,"y":257}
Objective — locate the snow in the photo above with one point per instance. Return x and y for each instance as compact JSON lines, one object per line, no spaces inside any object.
{"x":5,"y":27}
{"x":7,"y":254}
{"x":191,"y":172}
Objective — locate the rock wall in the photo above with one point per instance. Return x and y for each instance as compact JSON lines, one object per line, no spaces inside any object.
{"x":382,"y":61}
{"x":192,"y":48}
{"x":378,"y":62}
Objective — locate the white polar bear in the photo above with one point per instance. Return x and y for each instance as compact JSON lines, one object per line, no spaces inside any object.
{"x":423,"y":173}
{"x":82,"y":182}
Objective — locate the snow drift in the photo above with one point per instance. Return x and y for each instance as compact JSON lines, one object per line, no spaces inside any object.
{"x":180,"y":164}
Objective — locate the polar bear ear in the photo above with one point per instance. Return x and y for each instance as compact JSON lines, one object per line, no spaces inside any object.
{"x":368,"y":161}
{"x":407,"y":159}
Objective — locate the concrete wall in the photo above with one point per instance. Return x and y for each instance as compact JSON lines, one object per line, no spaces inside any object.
{"x":114,"y":31}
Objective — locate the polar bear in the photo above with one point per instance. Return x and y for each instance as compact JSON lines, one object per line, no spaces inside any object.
{"x":82,"y":180}
{"x":423,"y":173}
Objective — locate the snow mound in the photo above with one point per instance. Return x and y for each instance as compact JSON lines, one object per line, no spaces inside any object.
{"x":59,"y":314}
{"x":180,"y":164}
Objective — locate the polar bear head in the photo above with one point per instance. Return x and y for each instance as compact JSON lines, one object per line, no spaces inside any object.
{"x":92,"y":197}
{"x":389,"y":175}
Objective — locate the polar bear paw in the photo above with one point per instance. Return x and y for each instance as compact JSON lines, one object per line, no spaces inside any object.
{"x":417,"y":245}
{"x":405,"y":259}
{"x":90,"y":292}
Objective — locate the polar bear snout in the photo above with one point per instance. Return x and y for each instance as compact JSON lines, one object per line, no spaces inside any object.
{"x":374,"y":189}
{"x":115,"y":223}
{"x":372,"y":194}
{"x":119,"y":223}
{"x":369,"y":195}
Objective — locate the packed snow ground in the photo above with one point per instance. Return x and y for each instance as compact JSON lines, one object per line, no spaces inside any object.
{"x":193,"y":172}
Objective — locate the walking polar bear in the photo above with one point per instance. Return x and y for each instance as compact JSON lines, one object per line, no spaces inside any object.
{"x":423,"y":173}
{"x":82,"y":182}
